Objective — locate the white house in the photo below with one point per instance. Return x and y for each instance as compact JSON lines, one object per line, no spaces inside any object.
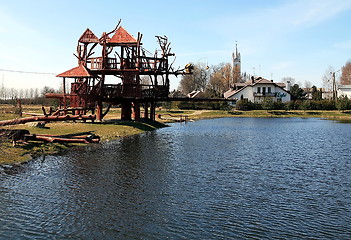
{"x":258,"y":89}
{"x":344,"y":90}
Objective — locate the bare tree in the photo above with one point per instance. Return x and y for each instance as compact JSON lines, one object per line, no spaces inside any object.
{"x":36,"y":93}
{"x":308,"y":84}
{"x":196,"y":81}
{"x":345,"y":78}
{"x":26,"y":93}
{"x":2,"y":91}
{"x":31,"y":93}
{"x":327,"y":79}
{"x":20,"y":93}
{"x":13,"y":93}
{"x":220,"y":78}
{"x":145,"y":80}
{"x":288,"y":79}
{"x":46,"y":89}
{"x":308,"y":88}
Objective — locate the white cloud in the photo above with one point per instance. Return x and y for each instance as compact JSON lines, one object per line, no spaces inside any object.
{"x":276,"y":20}
{"x":314,"y":12}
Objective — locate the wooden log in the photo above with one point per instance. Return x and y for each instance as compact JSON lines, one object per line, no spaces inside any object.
{"x":32,"y":114}
{"x":47,"y":119}
{"x":52,"y":138}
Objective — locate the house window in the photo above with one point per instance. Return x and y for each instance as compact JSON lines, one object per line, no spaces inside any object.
{"x":269,"y":90}
{"x":263,"y":90}
{"x":258,"y":90}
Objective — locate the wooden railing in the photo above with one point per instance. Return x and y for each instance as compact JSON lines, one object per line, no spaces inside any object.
{"x":133,"y":90}
{"x":145,"y":63}
{"x":96,"y":63}
{"x":151,"y":91}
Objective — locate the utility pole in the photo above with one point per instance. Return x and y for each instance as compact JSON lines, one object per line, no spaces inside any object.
{"x":335,"y":94}
{"x":334,"y":86}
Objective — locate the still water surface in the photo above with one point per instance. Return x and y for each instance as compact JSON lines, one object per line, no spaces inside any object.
{"x":233,"y":178}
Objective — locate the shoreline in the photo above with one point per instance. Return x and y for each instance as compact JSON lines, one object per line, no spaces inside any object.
{"x":112,"y":129}
{"x":11,"y":156}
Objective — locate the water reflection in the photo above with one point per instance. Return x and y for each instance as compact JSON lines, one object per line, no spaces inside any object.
{"x":213,"y":179}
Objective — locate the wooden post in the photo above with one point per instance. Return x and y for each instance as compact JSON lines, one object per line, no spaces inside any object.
{"x":126,"y":112}
{"x":19,"y":107}
{"x":152,"y":110}
{"x":136,"y":110}
{"x":146,"y":110}
{"x":64,"y":93}
{"x":99,"y":111}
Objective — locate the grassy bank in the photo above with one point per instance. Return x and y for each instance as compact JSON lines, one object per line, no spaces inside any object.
{"x":113,"y":129}
{"x":107,"y":131}
{"x":203,"y":114}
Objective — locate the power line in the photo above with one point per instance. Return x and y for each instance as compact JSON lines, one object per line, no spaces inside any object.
{"x":19,"y":71}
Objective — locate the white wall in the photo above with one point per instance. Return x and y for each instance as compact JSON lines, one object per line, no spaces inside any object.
{"x":344,"y":91}
{"x":286,"y":97}
{"x":248,"y":92}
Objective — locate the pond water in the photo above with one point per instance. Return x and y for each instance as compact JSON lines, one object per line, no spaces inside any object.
{"x":231,"y":178}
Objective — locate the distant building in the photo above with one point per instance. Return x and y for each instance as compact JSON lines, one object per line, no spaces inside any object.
{"x":236,"y":65}
{"x":344,"y":90}
{"x":310,"y":92}
{"x":258,"y":89}
{"x":327,"y":94}
{"x":237,"y":74}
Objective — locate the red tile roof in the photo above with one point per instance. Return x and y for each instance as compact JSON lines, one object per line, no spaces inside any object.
{"x":122,"y":37}
{"x":79,"y":71}
{"x":265,"y":81}
{"x":88,"y":37}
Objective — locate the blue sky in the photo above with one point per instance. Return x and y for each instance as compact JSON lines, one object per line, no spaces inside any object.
{"x":277,"y":39}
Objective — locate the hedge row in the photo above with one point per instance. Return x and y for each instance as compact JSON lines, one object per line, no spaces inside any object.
{"x":343,"y":103}
{"x":294,"y":105}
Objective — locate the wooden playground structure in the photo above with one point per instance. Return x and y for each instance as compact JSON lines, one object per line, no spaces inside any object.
{"x":139,"y":78}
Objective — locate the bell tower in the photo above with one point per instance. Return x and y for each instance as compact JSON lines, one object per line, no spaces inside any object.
{"x":236,"y":65}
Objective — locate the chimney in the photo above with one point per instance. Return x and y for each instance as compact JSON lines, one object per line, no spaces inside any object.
{"x":288,"y":85}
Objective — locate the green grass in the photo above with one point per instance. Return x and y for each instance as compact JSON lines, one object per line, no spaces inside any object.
{"x":201,"y":114}
{"x":106,"y":131}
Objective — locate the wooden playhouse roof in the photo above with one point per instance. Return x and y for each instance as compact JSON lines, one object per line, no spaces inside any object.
{"x":79,"y":71}
{"x":88,"y":37}
{"x":122,"y":37}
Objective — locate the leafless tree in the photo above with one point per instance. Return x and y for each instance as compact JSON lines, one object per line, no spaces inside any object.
{"x":220,"y":78}
{"x":308,"y":88}
{"x":196,"y":81}
{"x":345,"y":78}
{"x":288,"y":79}
{"x":145,"y":80}
{"x":308,"y":84}
{"x":327,"y":79}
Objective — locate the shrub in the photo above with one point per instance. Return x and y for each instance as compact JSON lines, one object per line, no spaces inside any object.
{"x":343,"y":103}
{"x":246,"y":105}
